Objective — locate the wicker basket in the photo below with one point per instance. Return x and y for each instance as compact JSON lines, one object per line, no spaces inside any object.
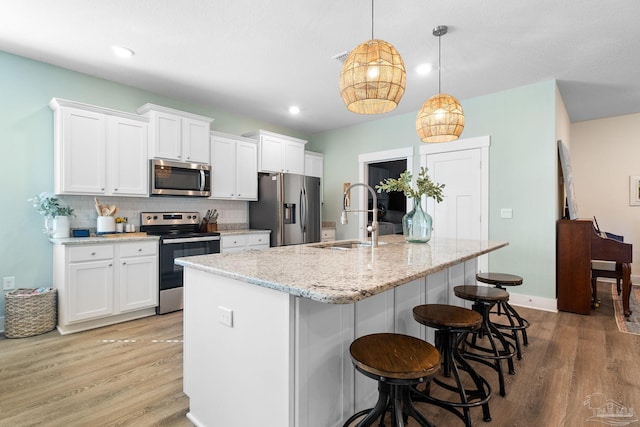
{"x":28,"y":313}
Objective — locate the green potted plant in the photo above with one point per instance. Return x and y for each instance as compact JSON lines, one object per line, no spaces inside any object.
{"x":56,"y":215}
{"x":416,"y":224}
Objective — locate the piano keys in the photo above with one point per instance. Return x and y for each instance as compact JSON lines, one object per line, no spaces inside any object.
{"x":577,"y":245}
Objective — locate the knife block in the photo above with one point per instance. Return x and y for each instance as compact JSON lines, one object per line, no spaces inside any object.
{"x":212,"y":227}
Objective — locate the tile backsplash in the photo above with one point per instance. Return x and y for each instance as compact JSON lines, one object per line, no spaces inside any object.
{"x":232,"y":214}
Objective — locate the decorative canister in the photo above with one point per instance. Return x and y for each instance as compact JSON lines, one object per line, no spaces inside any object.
{"x":106,"y":224}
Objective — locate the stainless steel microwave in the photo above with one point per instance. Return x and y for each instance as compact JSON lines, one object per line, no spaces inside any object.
{"x":170,"y":178}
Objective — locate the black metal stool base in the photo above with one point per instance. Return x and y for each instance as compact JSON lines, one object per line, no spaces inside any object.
{"x":493,"y":355}
{"x":516,"y":324}
{"x":447,"y":342}
{"x":393,"y":397}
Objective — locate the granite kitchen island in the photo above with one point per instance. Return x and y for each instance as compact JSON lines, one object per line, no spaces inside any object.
{"x":267,"y":333}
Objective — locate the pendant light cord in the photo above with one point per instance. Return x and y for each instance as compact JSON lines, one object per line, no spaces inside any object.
{"x":372,"y":20}
{"x":439,"y":62}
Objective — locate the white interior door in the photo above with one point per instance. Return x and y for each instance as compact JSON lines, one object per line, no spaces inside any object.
{"x":458,"y":216}
{"x":463,"y":167}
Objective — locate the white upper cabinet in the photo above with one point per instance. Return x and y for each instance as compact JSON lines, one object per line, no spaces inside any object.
{"x":98,"y":151}
{"x":234,"y":167}
{"x":127,"y":158}
{"x":279,"y":153}
{"x":313,"y":164}
{"x":177,"y":135}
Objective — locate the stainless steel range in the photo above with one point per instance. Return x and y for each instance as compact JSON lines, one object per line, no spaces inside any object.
{"x":180,"y":236}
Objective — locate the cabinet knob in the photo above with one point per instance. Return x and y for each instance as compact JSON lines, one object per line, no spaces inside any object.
{"x":124,"y":262}
{"x":110,"y":265}
{"x":115,"y":189}
{"x":93,"y":253}
{"x":139,"y":249}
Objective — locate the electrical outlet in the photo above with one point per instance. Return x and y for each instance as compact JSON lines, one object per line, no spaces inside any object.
{"x":225,"y":316}
{"x":8,"y":283}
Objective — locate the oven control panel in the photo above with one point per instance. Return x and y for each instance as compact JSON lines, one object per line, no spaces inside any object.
{"x":169,"y":218}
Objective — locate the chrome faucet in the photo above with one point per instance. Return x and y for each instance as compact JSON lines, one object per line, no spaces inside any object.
{"x":373,"y":228}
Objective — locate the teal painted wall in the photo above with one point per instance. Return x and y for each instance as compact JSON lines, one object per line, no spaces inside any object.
{"x":522,"y":171}
{"x":523,"y":175}
{"x":26,"y":147}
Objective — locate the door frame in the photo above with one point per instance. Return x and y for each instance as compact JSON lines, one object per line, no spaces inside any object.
{"x":482,"y":143}
{"x":363,"y":175}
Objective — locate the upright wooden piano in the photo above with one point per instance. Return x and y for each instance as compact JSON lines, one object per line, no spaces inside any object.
{"x":577,"y":245}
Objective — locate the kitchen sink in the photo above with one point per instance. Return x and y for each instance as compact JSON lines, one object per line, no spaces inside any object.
{"x":347,"y":245}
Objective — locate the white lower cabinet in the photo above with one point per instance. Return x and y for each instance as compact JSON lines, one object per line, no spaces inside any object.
{"x":327,"y":234}
{"x":244,"y":242}
{"x":103,"y":284}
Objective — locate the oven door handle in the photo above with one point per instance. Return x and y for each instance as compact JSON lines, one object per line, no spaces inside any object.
{"x":191,"y":240}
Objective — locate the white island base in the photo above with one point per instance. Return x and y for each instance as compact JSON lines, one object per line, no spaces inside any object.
{"x":285,"y":360}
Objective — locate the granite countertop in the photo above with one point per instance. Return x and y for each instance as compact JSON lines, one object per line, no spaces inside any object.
{"x":341,"y":276}
{"x":93,"y":240}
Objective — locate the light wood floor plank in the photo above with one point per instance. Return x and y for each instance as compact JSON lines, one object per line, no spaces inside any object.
{"x":85,"y":379}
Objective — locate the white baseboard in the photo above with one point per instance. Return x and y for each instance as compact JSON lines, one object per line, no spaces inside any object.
{"x":537,"y":303}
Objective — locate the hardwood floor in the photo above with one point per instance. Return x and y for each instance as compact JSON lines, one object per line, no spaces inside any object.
{"x":131,"y":374}
{"x":124,"y":375}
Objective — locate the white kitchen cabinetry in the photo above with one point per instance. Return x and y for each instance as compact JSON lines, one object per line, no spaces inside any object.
{"x":138,"y":267}
{"x":279,"y":153}
{"x":103,"y":284}
{"x":127,"y":141}
{"x":327,"y":234}
{"x":90,"y":283}
{"x":313,"y":164}
{"x":98,"y":151}
{"x":234,"y":167}
{"x":238,"y":242}
{"x":177,"y":135}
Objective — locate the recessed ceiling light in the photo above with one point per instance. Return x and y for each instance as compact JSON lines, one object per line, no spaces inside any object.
{"x":294,"y":110}
{"x":122,"y":52}
{"x":424,"y":69}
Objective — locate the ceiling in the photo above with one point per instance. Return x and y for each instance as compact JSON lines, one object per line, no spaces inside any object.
{"x":256,"y":58}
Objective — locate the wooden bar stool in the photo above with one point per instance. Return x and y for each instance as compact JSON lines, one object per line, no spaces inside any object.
{"x":484,"y":298}
{"x":397,"y":362}
{"x":450,"y":323}
{"x":516,"y":322}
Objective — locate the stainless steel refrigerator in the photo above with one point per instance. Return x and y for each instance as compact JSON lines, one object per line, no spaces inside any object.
{"x":289,"y":206}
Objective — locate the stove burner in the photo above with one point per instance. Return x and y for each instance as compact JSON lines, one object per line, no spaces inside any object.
{"x":169,"y":225}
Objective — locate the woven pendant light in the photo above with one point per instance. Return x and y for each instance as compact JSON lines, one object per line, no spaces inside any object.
{"x":441,"y":118}
{"x":373,"y":77}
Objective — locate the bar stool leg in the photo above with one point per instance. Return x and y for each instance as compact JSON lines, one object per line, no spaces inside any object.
{"x":492,"y":333}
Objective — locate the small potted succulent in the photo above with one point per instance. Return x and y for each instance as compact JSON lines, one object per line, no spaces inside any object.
{"x":416,"y":224}
{"x":56,"y":215}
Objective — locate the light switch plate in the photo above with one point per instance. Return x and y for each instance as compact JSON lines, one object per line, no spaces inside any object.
{"x":8,"y":283}
{"x":225,"y":316}
{"x":506,"y":213}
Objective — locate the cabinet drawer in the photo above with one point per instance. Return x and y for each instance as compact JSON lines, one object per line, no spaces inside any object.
{"x":138,"y":249}
{"x":234,"y":241}
{"x":328,"y":234}
{"x":90,"y":253}
{"x":258,"y":240}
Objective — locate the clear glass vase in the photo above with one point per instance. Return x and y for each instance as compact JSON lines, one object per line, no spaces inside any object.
{"x":416,"y":224}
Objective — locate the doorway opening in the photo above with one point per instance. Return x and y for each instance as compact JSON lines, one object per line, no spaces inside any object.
{"x":404,"y":159}
{"x":393,"y":205}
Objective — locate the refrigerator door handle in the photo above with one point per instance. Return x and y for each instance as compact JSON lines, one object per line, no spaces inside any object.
{"x":302,"y":210}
